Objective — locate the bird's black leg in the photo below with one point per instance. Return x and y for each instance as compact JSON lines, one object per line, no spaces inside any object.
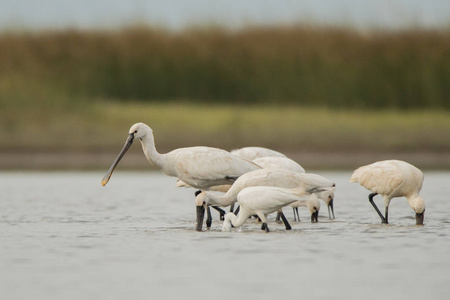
{"x":231,"y":207}
{"x":383,"y":219}
{"x":285,"y":221}
{"x":221,"y":211}
{"x":208,"y":218}
{"x":296,"y":211}
{"x":386,"y":214}
{"x":278,"y":216}
{"x":237,"y":210}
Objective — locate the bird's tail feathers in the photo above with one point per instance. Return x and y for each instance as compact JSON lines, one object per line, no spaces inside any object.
{"x":181,"y":183}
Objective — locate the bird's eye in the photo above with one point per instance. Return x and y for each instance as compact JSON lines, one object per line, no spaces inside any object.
{"x":135,"y":131}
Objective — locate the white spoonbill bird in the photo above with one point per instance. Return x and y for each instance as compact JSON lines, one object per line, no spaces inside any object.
{"x":261,"y":201}
{"x":328,"y":197}
{"x":266,"y":162}
{"x":311,"y":201}
{"x":252,"y":153}
{"x":390,"y":179}
{"x":263,"y":177}
{"x":278,"y":162}
{"x":200,"y":167}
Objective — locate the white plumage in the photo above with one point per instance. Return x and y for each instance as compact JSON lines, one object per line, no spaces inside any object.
{"x":266,"y":162}
{"x":278,"y":162}
{"x":261,"y":201}
{"x":392,"y":178}
{"x":263,"y":157}
{"x":311,"y":202}
{"x":264,"y":177}
{"x":200,"y":167}
{"x":284,"y":163}
{"x":252,"y":153}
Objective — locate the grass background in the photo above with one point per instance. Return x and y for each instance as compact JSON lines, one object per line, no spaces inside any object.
{"x":308,"y":135}
{"x":299,"y":65}
{"x":299,"y":89}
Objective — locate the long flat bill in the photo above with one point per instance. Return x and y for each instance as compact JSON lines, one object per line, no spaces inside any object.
{"x":119,"y":157}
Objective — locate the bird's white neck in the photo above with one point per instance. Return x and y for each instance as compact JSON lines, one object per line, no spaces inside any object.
{"x":220,"y":199}
{"x":148,"y":146}
{"x":231,"y":219}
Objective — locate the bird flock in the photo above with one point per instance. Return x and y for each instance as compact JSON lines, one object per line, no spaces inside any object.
{"x":262,"y":181}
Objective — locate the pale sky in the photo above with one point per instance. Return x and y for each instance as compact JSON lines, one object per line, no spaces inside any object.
{"x":176,"y":14}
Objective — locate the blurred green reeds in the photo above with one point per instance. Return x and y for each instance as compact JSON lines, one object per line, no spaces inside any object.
{"x":298,"y":88}
{"x":296,"y":65}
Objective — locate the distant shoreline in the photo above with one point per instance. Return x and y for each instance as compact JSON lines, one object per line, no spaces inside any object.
{"x":43,"y":160}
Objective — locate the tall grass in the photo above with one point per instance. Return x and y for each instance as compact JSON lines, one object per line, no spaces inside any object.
{"x":103,"y":127}
{"x":299,"y":65}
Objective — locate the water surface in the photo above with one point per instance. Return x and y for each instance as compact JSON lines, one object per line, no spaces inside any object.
{"x":64,"y":236}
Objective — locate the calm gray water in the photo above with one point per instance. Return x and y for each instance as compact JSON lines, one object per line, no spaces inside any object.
{"x":64,"y":236}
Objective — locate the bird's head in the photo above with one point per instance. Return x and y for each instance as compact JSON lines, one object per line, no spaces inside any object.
{"x":313,"y":206}
{"x":418,"y":205}
{"x":201,"y":198}
{"x":229,"y":217}
{"x":139,"y":130}
{"x":207,"y":198}
{"x":328,"y":197}
{"x":331,"y":204}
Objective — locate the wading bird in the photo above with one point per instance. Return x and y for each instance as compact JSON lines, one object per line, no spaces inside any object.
{"x":263,"y":177}
{"x":390,"y":179}
{"x":284,"y":163}
{"x":328,"y":198}
{"x":200,"y":167}
{"x":311,"y":201}
{"x":266,"y":162}
{"x":263,"y":200}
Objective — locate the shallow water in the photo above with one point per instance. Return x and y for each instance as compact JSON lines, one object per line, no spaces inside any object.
{"x":64,"y":236}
